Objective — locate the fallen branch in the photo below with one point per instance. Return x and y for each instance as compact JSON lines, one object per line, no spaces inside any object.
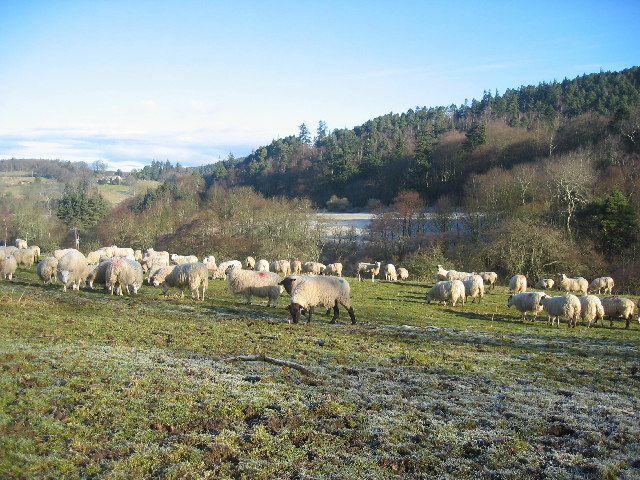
{"x":274,"y":361}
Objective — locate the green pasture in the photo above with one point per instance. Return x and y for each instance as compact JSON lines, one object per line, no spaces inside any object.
{"x":98,"y":386}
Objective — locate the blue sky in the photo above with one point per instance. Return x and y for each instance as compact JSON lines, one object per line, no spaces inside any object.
{"x":128,"y":82}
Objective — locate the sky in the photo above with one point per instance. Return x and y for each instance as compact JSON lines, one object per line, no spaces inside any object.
{"x":129,"y":82}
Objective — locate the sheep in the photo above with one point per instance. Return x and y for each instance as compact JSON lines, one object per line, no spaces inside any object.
{"x":137,"y":255}
{"x":193,"y":275}
{"x":473,"y":287}
{"x":441,"y":273}
{"x":455,"y":275}
{"x":182,"y":259}
{"x":518,"y":284}
{"x":314,"y":268}
{"x":8,"y":266}
{"x":618,"y":307}
{"x":156,"y":277}
{"x":62,"y":252}
{"x":296,"y":267}
{"x":210,"y":262}
{"x":222,"y":268}
{"x":333,"y":269}
{"x":390,"y":273}
{"x":281,"y":266}
{"x":36,"y":251}
{"x":447,"y":290}
{"x":262,"y":265}
{"x":312,"y":291}
{"x":567,"y":306}
{"x":47,"y":268}
{"x":93,"y":258}
{"x":602,"y":283}
{"x":591,"y":309}
{"x":24,"y":257}
{"x":527,"y":302}
{"x":71,"y":270}
{"x":124,"y":253}
{"x":7,"y":250}
{"x":368,"y":268}
{"x":489,"y":278}
{"x":403,"y":273}
{"x":21,"y":244}
{"x":545,"y":283}
{"x":122,"y":273}
{"x":249,"y":263}
{"x":157,"y":261}
{"x":250,"y":282}
{"x":98,"y":274}
{"x":577,"y":284}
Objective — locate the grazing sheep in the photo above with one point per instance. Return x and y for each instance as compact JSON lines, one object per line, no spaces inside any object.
{"x":72,"y":267}
{"x":473,"y":288}
{"x":36,"y":251}
{"x":618,"y":307}
{"x":545,"y":283}
{"x":577,"y":284}
{"x":222,"y":268}
{"x":518,"y":284}
{"x":193,"y":275}
{"x":24,"y":256}
{"x":20,"y":243}
{"x":602,"y":283}
{"x":455,"y":275}
{"x":489,"y":278}
{"x":262,"y":265}
{"x":296,"y":267}
{"x":403,"y":273}
{"x":390,"y":273}
{"x":567,"y":306}
{"x":369,"y":268}
{"x":122,"y":273}
{"x":156,"y":277}
{"x":447,"y":290}
{"x":281,"y":266}
{"x":98,"y":274}
{"x":249,"y":263}
{"x":591,"y":309}
{"x":334,"y":269}
{"x":47,"y":268}
{"x":62,"y":252}
{"x":251,"y":282}
{"x":182,"y":259}
{"x":313,"y":268}
{"x":312,"y":291}
{"x":8,"y":266}
{"x":527,"y":302}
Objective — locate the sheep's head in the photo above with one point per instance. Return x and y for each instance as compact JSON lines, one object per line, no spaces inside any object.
{"x":509,"y":300}
{"x":294,"y":310}
{"x":287,"y":283}
{"x":63,"y":276}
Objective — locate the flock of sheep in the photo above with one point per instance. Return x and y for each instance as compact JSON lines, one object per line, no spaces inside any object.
{"x":310,"y":284}
{"x":455,"y":286}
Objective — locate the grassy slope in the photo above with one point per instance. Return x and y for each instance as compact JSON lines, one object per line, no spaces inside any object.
{"x":103,"y":387}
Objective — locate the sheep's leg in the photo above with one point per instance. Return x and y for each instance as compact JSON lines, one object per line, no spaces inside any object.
{"x":336,"y":311}
{"x":352,"y":315}
{"x":310,"y":312}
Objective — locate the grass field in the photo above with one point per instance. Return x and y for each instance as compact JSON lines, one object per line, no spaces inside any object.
{"x":94,"y":386}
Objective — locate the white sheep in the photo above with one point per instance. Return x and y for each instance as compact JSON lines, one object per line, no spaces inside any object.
{"x":489,"y":278}
{"x":312,"y":291}
{"x":455,"y":275}
{"x":150,"y":262}
{"x":618,"y":307}
{"x":20,"y":243}
{"x":403,"y":273}
{"x":368,"y":268}
{"x":98,"y":274}
{"x":72,"y":268}
{"x":36,"y":251}
{"x":473,"y":287}
{"x":124,"y":252}
{"x":262,"y":265}
{"x":25,"y":257}
{"x":251,"y":282}
{"x":313,"y":268}
{"x":567,"y":306}
{"x":576,"y":284}
{"x":441,"y":273}
{"x":47,"y":268}
{"x":93,"y":257}
{"x":527,"y":302}
{"x":182,"y":259}
{"x":518,"y":284}
{"x":194,"y":276}
{"x":222,"y":268}
{"x":210,"y":262}
{"x":296,"y":267}
{"x":157,"y":275}
{"x":591,"y":309}
{"x":59,"y":253}
{"x":137,"y":255}
{"x":281,"y":266}
{"x":545,"y":283}
{"x":390,"y":273}
{"x":121,"y":274}
{"x":602,"y":283}
{"x":447,"y":291}
{"x":8,"y":266}
{"x":249,"y":263}
{"x":334,"y":269}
